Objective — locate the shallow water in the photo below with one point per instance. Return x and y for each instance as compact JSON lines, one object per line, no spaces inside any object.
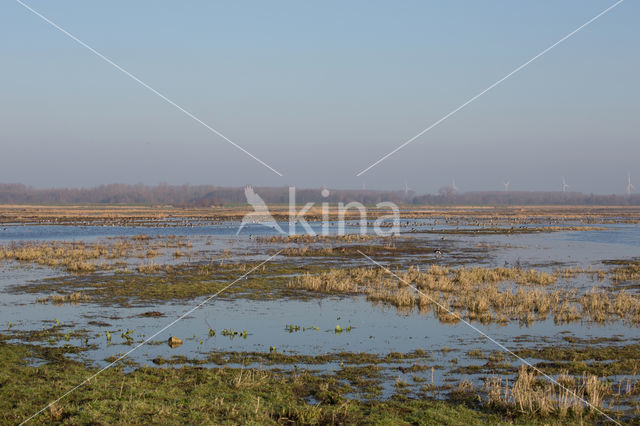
{"x":374,"y":329}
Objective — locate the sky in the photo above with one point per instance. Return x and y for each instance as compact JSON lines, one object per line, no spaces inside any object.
{"x":319,"y":91}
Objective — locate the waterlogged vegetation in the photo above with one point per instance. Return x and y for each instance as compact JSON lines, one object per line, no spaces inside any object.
{"x":197,"y":395}
{"x":320,"y":334}
{"x":87,"y":257}
{"x":269,"y":396}
{"x":314,"y":239}
{"x":508,"y":230}
{"x":478,"y":294}
{"x":76,"y":297}
{"x":529,"y":394}
{"x":172,"y":282}
{"x":625,"y":271}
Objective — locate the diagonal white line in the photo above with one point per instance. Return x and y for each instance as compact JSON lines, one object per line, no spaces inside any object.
{"x":142,"y":83}
{"x":491,"y":87}
{"x":485,"y":335}
{"x":207,"y":300}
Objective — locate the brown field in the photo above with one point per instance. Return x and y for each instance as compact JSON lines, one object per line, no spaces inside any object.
{"x":160,"y":215}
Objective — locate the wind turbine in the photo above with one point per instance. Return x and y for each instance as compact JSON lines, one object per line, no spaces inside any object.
{"x":565,"y":185}
{"x":453,"y":186}
{"x":506,"y":186}
{"x":406,"y":189}
{"x":630,"y":186}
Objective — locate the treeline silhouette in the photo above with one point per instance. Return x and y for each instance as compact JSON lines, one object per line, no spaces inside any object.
{"x":209,"y":195}
{"x":527,"y":198}
{"x":180,"y":195}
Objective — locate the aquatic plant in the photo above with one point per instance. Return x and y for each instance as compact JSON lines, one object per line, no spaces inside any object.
{"x":233,"y":333}
{"x":149,"y":268}
{"x":476,"y":294}
{"x":127,"y":335}
{"x":291,"y":328}
{"x":475,"y":353}
{"x":528,"y":395}
{"x":84,"y":257}
{"x":624,"y":270}
{"x":58,"y":299}
{"x":309,"y":239}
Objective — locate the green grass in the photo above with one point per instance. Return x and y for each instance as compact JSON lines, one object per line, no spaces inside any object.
{"x":179,"y":282}
{"x":603,"y":361}
{"x":200,"y":395}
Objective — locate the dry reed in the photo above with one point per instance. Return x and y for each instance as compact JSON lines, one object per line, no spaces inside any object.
{"x":528,"y":394}
{"x":477,"y":294}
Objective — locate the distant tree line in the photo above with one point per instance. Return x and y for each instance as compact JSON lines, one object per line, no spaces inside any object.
{"x":524,"y":198}
{"x":209,"y":195}
{"x":180,"y":195}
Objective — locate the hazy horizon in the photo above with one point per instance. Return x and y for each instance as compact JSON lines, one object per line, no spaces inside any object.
{"x":411,"y":192}
{"x":319,"y":92}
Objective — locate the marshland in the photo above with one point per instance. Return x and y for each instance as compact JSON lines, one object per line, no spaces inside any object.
{"x":320,"y":333}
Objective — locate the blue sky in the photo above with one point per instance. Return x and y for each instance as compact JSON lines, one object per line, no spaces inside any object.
{"x":320,"y":91}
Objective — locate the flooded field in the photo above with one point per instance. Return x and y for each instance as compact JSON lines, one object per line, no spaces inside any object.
{"x":470,"y":311}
